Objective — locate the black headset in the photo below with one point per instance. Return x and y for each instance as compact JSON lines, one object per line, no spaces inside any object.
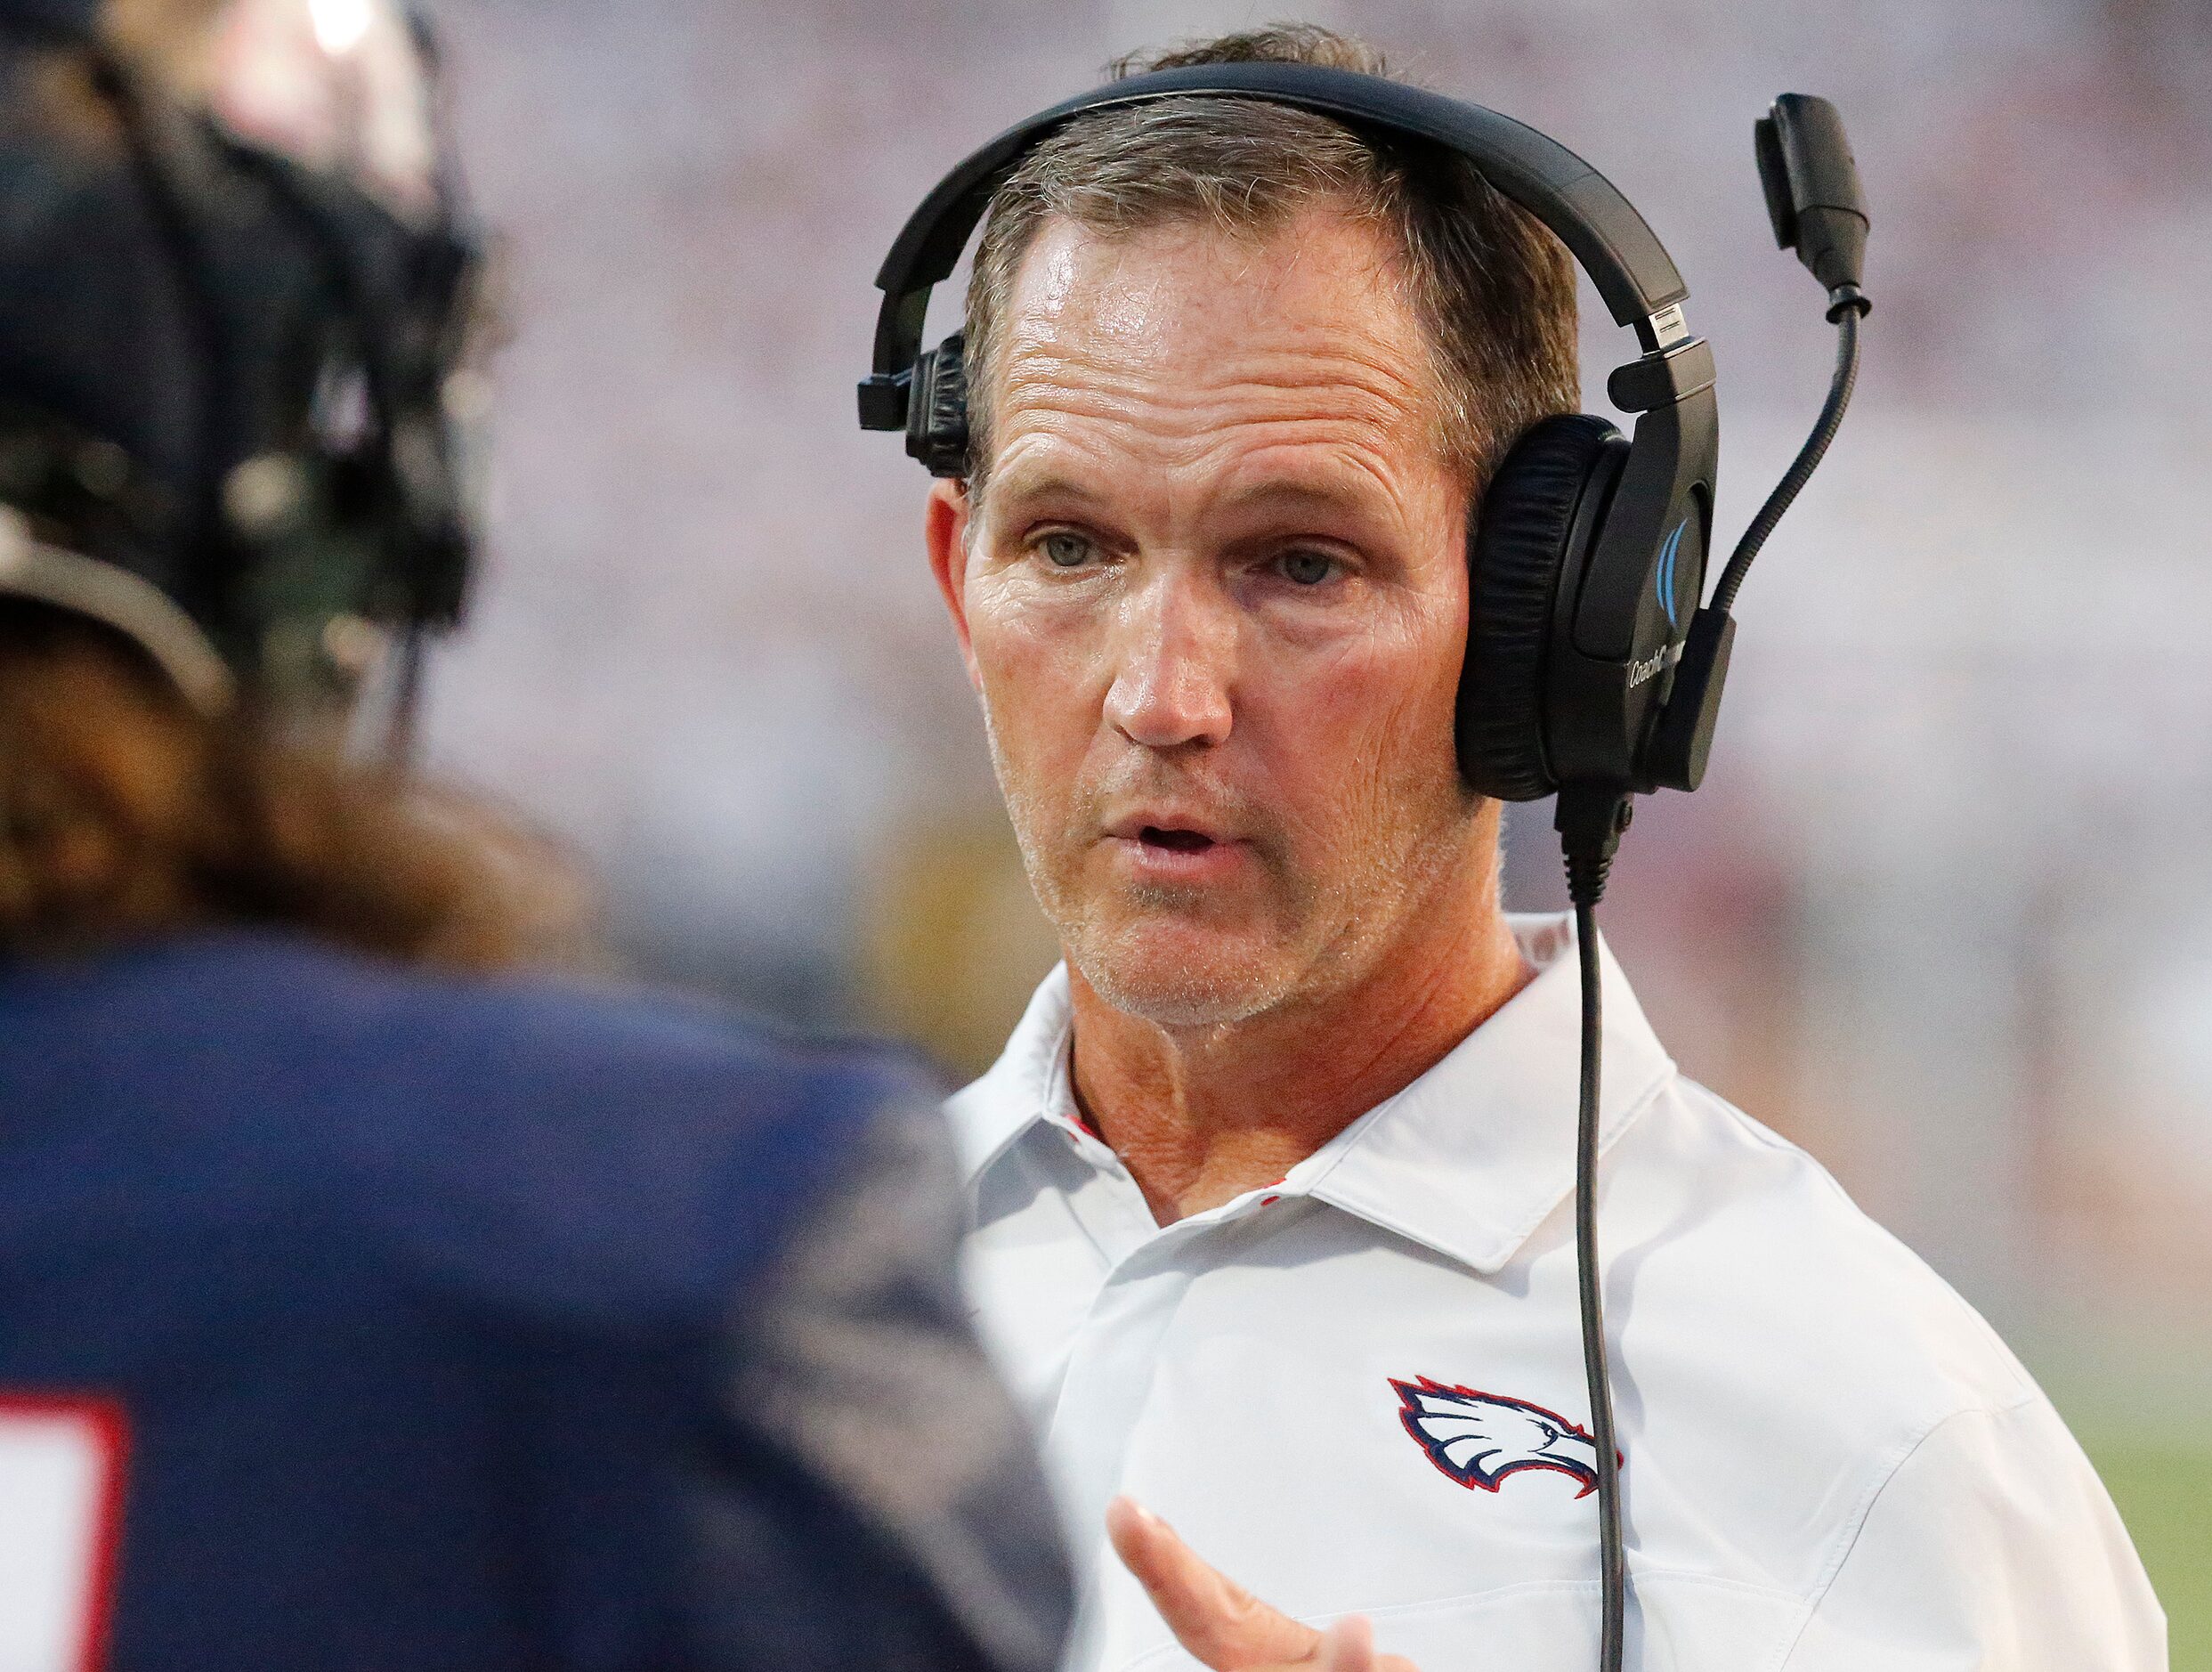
{"x":1587,"y":553}
{"x":1591,"y":670}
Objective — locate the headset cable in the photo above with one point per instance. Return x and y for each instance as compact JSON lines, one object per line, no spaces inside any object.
{"x":1813,"y":196}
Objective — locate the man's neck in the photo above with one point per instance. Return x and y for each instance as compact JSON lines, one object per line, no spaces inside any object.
{"x":1201,"y":1115}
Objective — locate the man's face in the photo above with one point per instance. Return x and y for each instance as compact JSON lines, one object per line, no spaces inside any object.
{"x":1214,"y":597}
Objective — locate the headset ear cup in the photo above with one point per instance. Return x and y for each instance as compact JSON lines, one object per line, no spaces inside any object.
{"x":1517,"y":548}
{"x":937,"y":408}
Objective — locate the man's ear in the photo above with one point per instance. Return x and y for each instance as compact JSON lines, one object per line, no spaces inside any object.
{"x":944,"y":526}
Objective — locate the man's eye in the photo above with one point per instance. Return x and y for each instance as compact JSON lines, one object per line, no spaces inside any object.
{"x":1305,"y":568}
{"x":1064,"y":550}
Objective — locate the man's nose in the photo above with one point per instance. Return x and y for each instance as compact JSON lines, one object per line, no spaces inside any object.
{"x":1175,"y":663}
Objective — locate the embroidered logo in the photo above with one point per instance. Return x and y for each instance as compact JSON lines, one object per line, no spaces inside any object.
{"x":1478,"y":1439}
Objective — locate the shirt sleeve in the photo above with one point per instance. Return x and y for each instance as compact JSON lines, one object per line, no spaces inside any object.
{"x":882,"y":1505}
{"x":1991,"y":1547}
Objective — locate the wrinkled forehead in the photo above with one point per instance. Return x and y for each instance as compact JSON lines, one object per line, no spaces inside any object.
{"x":1187,"y":324}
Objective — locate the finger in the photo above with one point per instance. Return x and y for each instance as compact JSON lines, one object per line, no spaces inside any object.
{"x":1215,"y":1619}
{"x":1347,"y":1646}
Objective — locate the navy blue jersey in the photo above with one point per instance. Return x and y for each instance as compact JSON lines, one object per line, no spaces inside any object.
{"x":351,"y":1318}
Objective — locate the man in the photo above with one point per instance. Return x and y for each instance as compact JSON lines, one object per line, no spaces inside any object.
{"x":363,"y":1303}
{"x":1272,"y":1182}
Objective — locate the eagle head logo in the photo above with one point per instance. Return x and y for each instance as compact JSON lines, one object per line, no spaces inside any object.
{"x":1478,"y":1439}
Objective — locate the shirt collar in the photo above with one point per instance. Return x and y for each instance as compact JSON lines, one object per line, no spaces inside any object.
{"x":1478,"y":1152}
{"x":1025,"y":1085}
{"x":1468,"y":1160}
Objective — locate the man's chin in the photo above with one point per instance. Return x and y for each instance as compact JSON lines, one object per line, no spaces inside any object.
{"x":1179,"y":976}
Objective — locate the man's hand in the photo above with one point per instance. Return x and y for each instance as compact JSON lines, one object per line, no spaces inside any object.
{"x":1223,"y":1624}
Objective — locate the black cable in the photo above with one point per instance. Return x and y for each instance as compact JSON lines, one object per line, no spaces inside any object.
{"x":1845,"y":312}
{"x":1588,"y":859}
{"x":1613,"y":1561}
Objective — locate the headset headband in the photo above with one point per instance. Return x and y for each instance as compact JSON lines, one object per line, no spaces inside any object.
{"x":1623,"y":256}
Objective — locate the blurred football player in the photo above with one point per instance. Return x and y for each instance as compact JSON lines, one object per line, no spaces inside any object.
{"x":364,"y":1302}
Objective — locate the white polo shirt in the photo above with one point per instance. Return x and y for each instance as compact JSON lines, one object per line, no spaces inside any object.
{"x":1360,"y":1389}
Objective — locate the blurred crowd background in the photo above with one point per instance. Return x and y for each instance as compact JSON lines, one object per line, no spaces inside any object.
{"x":1942,"y":912}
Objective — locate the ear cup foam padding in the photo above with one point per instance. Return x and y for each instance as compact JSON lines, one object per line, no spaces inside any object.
{"x":1517,"y":548}
{"x":937,"y":408}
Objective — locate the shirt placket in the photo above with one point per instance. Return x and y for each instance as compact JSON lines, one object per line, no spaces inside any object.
{"x":1107,"y":1205}
{"x":1149,"y":1269}
{"x":1122,"y":1337}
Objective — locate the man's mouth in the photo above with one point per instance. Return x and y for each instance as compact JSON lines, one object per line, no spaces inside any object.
{"x":1167,"y":842}
{"x":1171,"y":829}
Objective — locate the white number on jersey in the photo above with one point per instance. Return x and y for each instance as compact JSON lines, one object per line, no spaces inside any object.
{"x":60,"y":1483}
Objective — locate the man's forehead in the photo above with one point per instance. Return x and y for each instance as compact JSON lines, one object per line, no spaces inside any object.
{"x":1314,"y":301}
{"x":1191,"y":327}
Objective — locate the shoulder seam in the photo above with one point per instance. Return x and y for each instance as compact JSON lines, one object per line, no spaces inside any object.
{"x":1856,"y":1523}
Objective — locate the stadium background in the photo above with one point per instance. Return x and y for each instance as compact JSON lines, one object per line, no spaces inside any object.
{"x":1942,"y":911}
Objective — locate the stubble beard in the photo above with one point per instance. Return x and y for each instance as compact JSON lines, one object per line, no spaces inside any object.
{"x":1317,"y":933}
